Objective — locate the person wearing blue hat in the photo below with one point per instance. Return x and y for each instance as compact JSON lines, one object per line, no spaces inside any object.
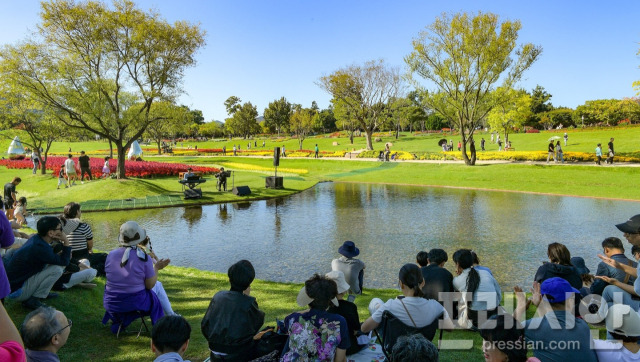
{"x":352,"y":268}
{"x":555,"y":334}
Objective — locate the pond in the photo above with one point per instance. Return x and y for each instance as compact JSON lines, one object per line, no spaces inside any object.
{"x":290,"y":238}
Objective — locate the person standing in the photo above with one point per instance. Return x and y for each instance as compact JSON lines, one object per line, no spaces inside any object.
{"x":482,"y":143}
{"x":598,"y":154}
{"x":316,"y":156}
{"x":85,"y":166}
{"x":450,"y":145}
{"x":559,"y":153}
{"x":235,"y":151}
{"x":36,"y":161}
{"x":224,"y":150}
{"x":10,"y":198}
{"x":499,"y":144}
{"x":284,"y":152}
{"x":70,"y":169}
{"x":459,"y":145}
{"x":611,"y":152}
{"x":551,"y":153}
{"x":491,"y":137}
{"x":566,"y":138}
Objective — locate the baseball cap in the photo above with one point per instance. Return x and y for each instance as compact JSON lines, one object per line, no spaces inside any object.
{"x":632,"y":226}
{"x":556,"y":289}
{"x":621,"y":319}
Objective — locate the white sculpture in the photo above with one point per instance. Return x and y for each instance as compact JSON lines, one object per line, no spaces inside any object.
{"x":16,"y":151}
{"x":135,"y":151}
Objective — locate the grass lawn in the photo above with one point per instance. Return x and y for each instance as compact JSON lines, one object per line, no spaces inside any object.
{"x":190,"y":291}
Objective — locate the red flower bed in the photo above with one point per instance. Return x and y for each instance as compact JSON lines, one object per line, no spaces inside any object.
{"x":132,"y":168}
{"x":533,"y":130}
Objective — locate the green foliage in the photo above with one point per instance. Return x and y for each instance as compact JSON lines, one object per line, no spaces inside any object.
{"x":243,"y":121}
{"x":511,"y":112}
{"x":362,"y":93}
{"x":609,"y":111}
{"x":277,"y":115}
{"x":324,"y":121}
{"x":103,"y":67}
{"x":232,"y":105}
{"x":301,"y":123}
{"x":465,"y":57}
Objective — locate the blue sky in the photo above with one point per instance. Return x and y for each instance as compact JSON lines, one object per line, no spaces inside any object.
{"x":263,"y":50}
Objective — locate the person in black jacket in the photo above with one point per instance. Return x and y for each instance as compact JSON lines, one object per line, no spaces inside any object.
{"x":559,"y":266}
{"x":346,"y":309}
{"x":233,"y":317}
{"x":437,"y":278}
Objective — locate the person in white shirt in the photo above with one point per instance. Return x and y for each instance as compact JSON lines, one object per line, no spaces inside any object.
{"x":70,"y":169}
{"x":413,"y":309}
{"x":623,"y":324}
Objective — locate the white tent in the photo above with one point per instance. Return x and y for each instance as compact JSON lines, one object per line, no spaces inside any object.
{"x":135,"y":151}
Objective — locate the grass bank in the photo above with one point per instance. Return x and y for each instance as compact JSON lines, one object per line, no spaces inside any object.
{"x":190,"y":291}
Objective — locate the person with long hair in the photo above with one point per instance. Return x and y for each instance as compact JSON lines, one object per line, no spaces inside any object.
{"x":411,"y":308}
{"x":503,"y":340}
{"x":559,"y":265}
{"x":315,"y":334}
{"x":481,"y":292}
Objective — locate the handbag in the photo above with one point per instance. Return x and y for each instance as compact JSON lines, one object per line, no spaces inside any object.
{"x":269,"y":341}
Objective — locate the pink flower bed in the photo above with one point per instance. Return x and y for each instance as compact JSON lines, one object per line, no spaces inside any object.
{"x":132,"y":168}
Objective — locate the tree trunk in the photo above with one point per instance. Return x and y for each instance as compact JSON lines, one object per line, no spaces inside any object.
{"x":120,"y":171}
{"x":351,"y":136}
{"x":300,"y":139}
{"x":110,"y":148}
{"x":43,"y":166}
{"x":472,"y":148}
{"x":397,"y":131}
{"x":369,"y":134}
{"x":159,"y":149}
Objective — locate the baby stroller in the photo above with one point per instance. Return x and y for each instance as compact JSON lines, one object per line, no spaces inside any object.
{"x":381,"y":156}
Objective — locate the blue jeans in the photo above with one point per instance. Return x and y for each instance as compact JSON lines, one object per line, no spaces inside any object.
{"x":560,"y":158}
{"x":610,"y":295}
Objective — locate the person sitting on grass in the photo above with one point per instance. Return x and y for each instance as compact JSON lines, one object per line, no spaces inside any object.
{"x":81,"y":237}
{"x":20,"y":212}
{"x":44,"y":332}
{"x":623,"y":324}
{"x":346,"y":309}
{"x":555,"y":323}
{"x":481,"y":292}
{"x":559,"y":265}
{"x":352,"y":268}
{"x":412,"y":308}
{"x":34,"y":268}
{"x":612,"y":248}
{"x":503,"y":341}
{"x":11,"y":346}
{"x":437,"y":278}
{"x":316,"y":334}
{"x":422,"y":258}
{"x":585,"y":275}
{"x":158,"y":288}
{"x":131,"y":276}
{"x":414,"y":348}
{"x":170,"y":339}
{"x":233,"y":317}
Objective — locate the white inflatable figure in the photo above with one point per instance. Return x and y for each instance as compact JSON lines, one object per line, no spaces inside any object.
{"x":135,"y":151}
{"x":16,"y":151}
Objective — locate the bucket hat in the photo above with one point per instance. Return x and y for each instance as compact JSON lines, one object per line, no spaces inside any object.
{"x":349,"y":249}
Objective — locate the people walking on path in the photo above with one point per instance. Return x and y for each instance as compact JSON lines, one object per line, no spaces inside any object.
{"x":36,"y":161}
{"x":85,"y":166}
{"x":559,"y":153}
{"x":610,"y":152}
{"x":317,"y":150}
{"x":566,"y":138}
{"x":552,"y":153}
{"x":70,"y":170}
{"x":598,"y":154}
{"x":482,"y":143}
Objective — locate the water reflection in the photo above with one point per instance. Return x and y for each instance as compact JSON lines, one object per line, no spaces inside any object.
{"x":289,"y":239}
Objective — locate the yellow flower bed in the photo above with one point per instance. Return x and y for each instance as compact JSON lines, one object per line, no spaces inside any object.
{"x":535,"y":156}
{"x":334,"y":154}
{"x":249,"y":167}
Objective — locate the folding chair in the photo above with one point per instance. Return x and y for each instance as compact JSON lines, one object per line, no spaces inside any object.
{"x":123,"y":320}
{"x":392,"y":328}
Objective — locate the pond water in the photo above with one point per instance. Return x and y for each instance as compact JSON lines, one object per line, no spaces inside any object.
{"x":290,"y":238}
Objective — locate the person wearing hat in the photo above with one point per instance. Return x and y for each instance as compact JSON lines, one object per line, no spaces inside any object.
{"x":624,"y":325}
{"x":346,"y":309}
{"x":233,"y":317}
{"x":131,"y":276}
{"x":585,"y":275}
{"x":352,"y":268}
{"x":316,"y":334}
{"x":555,"y":324}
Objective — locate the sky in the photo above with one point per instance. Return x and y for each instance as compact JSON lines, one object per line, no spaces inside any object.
{"x":262,"y":50}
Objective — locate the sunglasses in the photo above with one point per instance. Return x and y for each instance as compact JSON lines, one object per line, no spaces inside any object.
{"x":63,"y":328}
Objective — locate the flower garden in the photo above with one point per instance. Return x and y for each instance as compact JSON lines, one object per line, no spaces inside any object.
{"x":133,"y":168}
{"x":500,"y":155}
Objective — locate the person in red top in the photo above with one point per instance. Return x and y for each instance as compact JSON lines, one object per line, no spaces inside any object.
{"x":11,"y":348}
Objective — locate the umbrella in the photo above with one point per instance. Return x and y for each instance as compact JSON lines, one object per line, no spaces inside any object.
{"x":554,"y":138}
{"x":442,"y":142}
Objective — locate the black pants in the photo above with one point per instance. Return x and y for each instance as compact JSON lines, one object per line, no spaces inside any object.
{"x":82,"y":172}
{"x":222,"y":184}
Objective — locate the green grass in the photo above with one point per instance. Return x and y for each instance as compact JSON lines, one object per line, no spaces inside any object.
{"x":190,"y":291}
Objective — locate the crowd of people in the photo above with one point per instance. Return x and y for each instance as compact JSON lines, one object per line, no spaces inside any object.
{"x":568,"y":298}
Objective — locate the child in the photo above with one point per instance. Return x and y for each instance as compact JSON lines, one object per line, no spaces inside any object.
{"x":106,"y":169}
{"x":61,"y":179}
{"x":20,"y":212}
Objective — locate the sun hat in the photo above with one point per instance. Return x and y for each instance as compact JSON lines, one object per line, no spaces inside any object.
{"x":621,"y":319}
{"x":556,"y":289}
{"x":131,"y":234}
{"x":303,"y":299}
{"x":349,"y":249}
{"x":338,"y":277}
{"x":631,"y":226}
{"x":578,"y":263}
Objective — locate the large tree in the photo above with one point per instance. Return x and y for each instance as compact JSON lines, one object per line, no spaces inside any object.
{"x":277,"y":115}
{"x":465,"y":58}
{"x":365,"y":91}
{"x":511,"y":112}
{"x":176,"y":119}
{"x":102,"y":66}
{"x":301,"y":122}
{"x":243,"y":120}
